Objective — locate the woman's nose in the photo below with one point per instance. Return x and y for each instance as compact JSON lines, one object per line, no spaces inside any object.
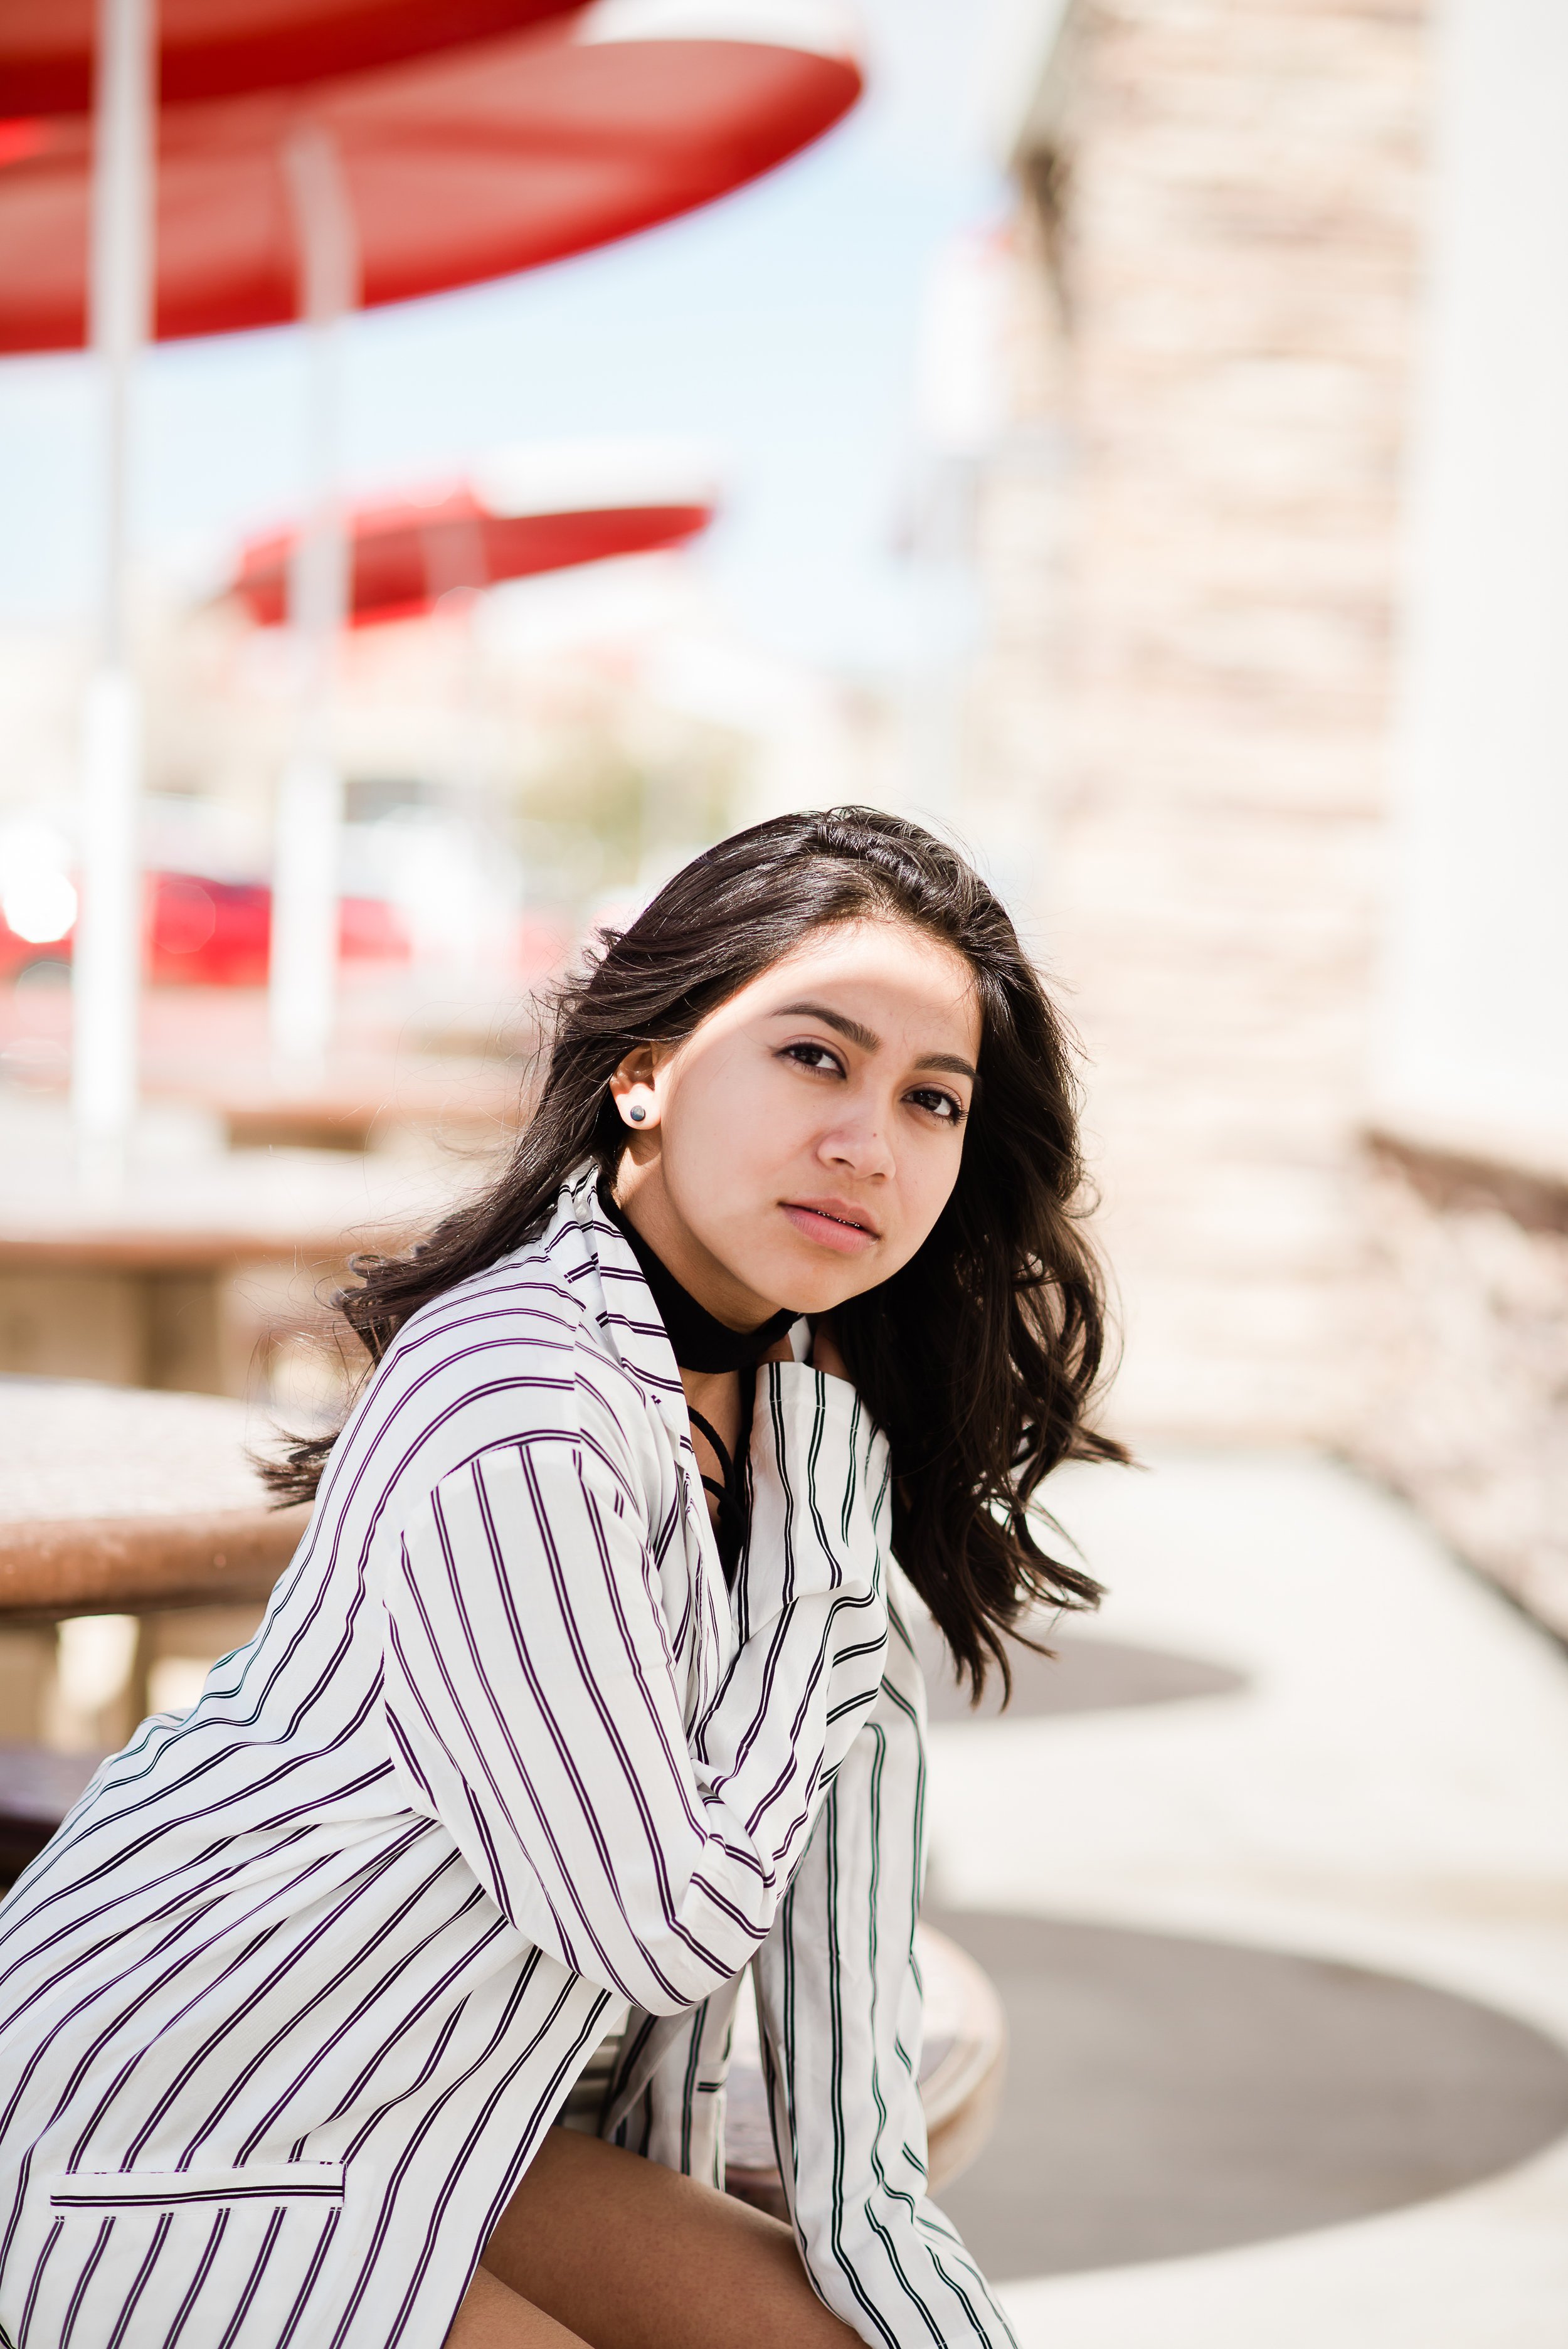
{"x":860,"y":1146}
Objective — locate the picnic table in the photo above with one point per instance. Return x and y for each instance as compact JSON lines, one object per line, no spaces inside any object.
{"x":469,"y":1104}
{"x":178,"y":1282}
{"x":118,"y":1501}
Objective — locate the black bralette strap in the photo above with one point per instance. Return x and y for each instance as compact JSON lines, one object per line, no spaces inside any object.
{"x":733,"y":1511}
{"x":720,"y":1452}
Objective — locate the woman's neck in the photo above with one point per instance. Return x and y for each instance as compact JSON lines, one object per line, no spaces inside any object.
{"x":640,"y":1194}
{"x":700,"y":1341}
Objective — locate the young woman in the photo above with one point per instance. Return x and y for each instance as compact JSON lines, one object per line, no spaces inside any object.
{"x":591,"y":1683}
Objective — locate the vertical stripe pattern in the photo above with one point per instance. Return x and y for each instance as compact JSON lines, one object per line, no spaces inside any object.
{"x":839,"y":2000}
{"x":287,"y":2004}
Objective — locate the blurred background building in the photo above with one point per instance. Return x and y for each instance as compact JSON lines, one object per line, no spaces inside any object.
{"x":1274,"y":570}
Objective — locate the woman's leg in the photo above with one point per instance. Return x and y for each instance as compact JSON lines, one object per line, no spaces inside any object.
{"x":625,"y":2254}
{"x":491,"y":2317}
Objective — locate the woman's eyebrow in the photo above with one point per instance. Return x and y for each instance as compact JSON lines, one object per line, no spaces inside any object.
{"x":869,"y":1041}
{"x":866,"y":1038}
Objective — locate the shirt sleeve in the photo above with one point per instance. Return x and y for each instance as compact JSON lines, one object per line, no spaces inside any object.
{"x":533,"y":1707}
{"x":667,"y":2099}
{"x":839,"y":2000}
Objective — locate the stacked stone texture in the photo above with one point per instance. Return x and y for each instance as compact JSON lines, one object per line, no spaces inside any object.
{"x":1470,"y":1414}
{"x":1238,"y":251}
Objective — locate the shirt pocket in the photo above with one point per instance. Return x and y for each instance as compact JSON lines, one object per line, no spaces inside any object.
{"x":196,"y":2256}
{"x":264,"y":2185}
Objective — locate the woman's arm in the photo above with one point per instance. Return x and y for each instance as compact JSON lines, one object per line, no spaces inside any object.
{"x":533,"y":1707}
{"x":840,"y":2003}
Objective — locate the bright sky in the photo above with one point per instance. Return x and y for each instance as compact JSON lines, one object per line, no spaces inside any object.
{"x":779,"y":324}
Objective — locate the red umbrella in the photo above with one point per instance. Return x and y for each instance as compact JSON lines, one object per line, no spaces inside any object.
{"x":221,"y":48}
{"x":404,"y":557}
{"x":430,"y":171}
{"x":468,"y":164}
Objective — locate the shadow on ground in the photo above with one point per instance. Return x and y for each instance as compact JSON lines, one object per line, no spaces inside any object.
{"x":1083,"y":1676}
{"x":1166,"y":2096}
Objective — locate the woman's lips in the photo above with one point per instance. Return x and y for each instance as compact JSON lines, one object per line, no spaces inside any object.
{"x":829,"y":1229}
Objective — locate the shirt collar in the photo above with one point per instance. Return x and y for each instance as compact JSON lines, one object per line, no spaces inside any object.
{"x":628,"y":1320}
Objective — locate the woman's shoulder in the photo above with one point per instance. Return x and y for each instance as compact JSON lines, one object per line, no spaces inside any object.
{"x":514,"y":1354}
{"x":536,"y":1300}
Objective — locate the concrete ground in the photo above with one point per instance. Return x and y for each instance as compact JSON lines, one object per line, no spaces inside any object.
{"x":1286,"y":1949}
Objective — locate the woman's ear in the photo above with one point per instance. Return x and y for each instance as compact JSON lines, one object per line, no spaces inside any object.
{"x":633,"y":1091}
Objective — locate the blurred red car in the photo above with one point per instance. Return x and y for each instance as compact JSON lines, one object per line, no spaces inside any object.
{"x":206,"y":933}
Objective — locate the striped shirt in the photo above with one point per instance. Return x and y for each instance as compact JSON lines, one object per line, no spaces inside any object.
{"x":288,"y":2003}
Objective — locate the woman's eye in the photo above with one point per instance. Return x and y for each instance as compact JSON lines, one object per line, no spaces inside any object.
{"x":941,"y":1104}
{"x":814,"y":1056}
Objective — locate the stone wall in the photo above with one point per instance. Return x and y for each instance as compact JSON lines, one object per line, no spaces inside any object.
{"x":1467,"y":1414}
{"x":1190,"y":541}
{"x":1226,"y":199}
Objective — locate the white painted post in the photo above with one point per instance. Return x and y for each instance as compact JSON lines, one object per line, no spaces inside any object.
{"x":309,"y":817}
{"x":106,"y":954}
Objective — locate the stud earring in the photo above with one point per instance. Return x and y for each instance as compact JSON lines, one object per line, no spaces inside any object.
{"x":636,"y":1112}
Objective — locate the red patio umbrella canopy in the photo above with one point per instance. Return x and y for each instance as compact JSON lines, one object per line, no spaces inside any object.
{"x":405,"y":557}
{"x":468,"y":165}
{"x":218,"y":49}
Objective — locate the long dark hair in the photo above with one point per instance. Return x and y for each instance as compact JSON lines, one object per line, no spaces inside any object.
{"x":980,"y":1359}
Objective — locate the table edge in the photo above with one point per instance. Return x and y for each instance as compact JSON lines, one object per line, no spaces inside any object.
{"x":55,"y":1566}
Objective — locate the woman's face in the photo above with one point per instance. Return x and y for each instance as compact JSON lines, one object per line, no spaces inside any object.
{"x":798,"y":1146}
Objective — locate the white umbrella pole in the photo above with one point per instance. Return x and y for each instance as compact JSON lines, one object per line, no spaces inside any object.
{"x":107,"y":955}
{"x":303,"y":973}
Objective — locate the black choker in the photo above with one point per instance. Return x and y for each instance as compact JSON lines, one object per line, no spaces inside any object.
{"x":701,"y":1342}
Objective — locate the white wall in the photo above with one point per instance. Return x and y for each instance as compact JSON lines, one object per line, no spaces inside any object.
{"x":1476,"y":997}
